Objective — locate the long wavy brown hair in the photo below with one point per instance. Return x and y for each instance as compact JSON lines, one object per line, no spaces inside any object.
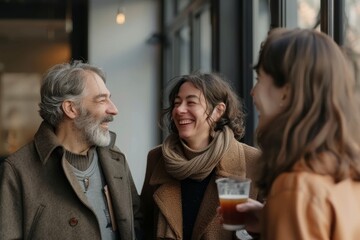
{"x":320,"y":127}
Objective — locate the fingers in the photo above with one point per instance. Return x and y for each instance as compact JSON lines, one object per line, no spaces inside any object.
{"x":250,"y":205}
{"x":218,"y":210}
{"x":219,"y":213}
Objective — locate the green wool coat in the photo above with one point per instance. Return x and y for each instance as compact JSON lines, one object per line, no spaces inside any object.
{"x":40,"y":197}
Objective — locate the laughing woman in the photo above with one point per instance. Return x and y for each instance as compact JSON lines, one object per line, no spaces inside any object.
{"x":179,"y":194}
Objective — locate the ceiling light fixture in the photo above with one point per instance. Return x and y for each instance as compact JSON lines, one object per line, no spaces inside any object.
{"x":120,"y":16}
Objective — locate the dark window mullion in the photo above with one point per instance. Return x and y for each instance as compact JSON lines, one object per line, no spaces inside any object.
{"x":195,"y":42}
{"x":215,"y":36}
{"x":339,"y":12}
{"x":327,"y":17}
{"x":246,"y":73}
{"x":277,"y":13}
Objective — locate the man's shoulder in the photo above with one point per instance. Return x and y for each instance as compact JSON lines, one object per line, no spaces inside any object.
{"x":23,"y":160}
{"x":26,"y":152}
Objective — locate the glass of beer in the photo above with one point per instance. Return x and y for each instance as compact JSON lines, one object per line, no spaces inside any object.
{"x":233,"y":191}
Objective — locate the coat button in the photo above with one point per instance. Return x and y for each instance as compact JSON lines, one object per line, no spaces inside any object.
{"x":73,"y":221}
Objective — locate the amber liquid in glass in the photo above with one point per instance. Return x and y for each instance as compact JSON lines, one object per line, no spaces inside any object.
{"x":233,"y":220}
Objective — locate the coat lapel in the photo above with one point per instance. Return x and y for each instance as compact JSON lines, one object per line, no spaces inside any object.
{"x":168,"y":199}
{"x":207,"y":211}
{"x":114,"y":172}
{"x":232,"y":163}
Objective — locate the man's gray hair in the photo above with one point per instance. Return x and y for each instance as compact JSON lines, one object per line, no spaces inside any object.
{"x":63,"y":82}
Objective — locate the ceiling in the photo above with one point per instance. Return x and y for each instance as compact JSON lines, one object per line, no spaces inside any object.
{"x":15,"y":31}
{"x":34,"y":20}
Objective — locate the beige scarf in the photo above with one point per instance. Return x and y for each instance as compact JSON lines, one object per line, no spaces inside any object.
{"x":199,"y":167}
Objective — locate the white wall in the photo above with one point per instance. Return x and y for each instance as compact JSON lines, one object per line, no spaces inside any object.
{"x":131,"y":67}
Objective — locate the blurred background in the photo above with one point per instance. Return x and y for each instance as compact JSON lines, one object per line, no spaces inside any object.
{"x":141,"y":45}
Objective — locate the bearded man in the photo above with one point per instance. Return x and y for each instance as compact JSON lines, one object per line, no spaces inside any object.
{"x":71,"y":181}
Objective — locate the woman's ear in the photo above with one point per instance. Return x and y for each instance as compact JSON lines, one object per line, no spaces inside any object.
{"x":285,"y":98}
{"x":69,"y":109}
{"x":218,"y":111}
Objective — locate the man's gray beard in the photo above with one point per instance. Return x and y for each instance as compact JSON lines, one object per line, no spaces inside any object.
{"x":91,"y":130}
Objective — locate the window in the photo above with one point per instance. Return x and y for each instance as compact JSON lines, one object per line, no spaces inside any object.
{"x":308,"y":14}
{"x":183,"y":48}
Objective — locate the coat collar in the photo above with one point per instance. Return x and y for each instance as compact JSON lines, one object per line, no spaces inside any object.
{"x":112,"y":162}
{"x":231,"y":164}
{"x":46,"y":142}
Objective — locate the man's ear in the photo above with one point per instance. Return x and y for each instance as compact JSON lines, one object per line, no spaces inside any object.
{"x":69,"y":109}
{"x":218,"y":111}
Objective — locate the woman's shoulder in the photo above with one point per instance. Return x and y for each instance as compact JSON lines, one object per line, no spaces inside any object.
{"x":156,"y":149}
{"x":154,"y":155}
{"x":303,"y":182}
{"x":250,"y":148}
{"x":250,"y":151}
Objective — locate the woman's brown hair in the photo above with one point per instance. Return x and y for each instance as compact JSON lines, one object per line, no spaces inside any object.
{"x":216,"y":90}
{"x":319,"y":128}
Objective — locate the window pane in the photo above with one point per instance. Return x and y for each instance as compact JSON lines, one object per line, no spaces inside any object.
{"x":261,"y":21}
{"x":182,"y":4}
{"x":352,"y":25}
{"x":352,"y":34}
{"x":184,"y":50}
{"x":308,"y":14}
{"x":205,"y":41}
{"x":169,"y":8}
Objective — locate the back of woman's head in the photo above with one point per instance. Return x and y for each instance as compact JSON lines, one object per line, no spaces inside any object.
{"x":215,"y":90}
{"x":322,"y":115}
{"x":63,"y":82}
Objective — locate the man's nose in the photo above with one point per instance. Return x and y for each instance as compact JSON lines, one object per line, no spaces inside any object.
{"x":112,"y":109}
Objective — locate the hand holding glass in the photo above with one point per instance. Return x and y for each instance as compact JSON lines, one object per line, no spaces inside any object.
{"x":233,"y":191}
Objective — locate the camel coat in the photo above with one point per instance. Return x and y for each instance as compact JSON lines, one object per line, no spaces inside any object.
{"x":162,"y":193}
{"x":40,"y":197}
{"x":303,"y":205}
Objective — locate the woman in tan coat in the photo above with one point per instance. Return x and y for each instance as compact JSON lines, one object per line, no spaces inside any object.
{"x":179,"y":194}
{"x":309,"y":133}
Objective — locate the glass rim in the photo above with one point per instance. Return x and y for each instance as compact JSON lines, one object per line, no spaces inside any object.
{"x":234,"y":179}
